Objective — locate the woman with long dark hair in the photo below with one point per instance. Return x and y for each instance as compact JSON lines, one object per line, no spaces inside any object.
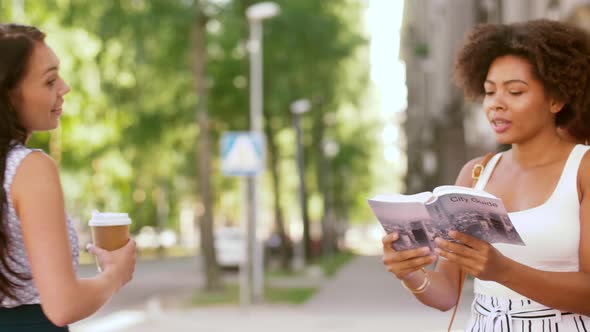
{"x":39,"y":289}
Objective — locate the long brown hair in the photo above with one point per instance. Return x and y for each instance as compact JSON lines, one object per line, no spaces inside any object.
{"x":16,"y":46}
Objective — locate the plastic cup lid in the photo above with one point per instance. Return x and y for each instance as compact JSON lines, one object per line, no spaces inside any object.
{"x":109,"y":219}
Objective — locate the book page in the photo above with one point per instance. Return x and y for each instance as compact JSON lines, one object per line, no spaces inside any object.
{"x":443,"y":190}
{"x":483,"y":217}
{"x":409,"y":219}
{"x":419,"y":198}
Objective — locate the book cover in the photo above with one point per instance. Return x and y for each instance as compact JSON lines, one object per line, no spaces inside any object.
{"x":420,"y":218}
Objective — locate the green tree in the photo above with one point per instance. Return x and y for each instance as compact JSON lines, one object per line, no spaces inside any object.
{"x":306,"y":51}
{"x":128,"y":140}
{"x":213,"y":280}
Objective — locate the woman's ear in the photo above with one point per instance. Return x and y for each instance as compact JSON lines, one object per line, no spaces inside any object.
{"x":556,"y":106}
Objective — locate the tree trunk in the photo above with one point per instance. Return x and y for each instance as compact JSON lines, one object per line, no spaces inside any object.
{"x":322,"y":170}
{"x":212,"y":275}
{"x":162,"y":211}
{"x":273,"y":156}
{"x":450,"y":145}
{"x":340,"y":221}
{"x":326,"y":181}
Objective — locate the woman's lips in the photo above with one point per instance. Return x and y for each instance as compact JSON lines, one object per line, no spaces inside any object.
{"x":501,"y":126}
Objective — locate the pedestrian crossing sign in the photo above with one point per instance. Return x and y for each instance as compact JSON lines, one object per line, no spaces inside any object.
{"x":242,"y":153}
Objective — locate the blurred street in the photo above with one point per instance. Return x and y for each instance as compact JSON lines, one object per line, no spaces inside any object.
{"x":161,"y":280}
{"x":361,"y":297}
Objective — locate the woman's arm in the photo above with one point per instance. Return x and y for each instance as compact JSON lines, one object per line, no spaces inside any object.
{"x":38,"y":200}
{"x":442,"y":292}
{"x":567,"y":291}
{"x":444,"y":287}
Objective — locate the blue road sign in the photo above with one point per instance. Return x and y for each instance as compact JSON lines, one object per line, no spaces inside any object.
{"x":242,"y":153}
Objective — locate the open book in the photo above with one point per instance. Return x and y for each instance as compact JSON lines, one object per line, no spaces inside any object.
{"x":422,"y":217}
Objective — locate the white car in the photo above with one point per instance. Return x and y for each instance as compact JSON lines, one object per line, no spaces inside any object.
{"x":229,"y":246}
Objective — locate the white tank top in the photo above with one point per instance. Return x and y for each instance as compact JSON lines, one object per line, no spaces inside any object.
{"x":550,"y":231}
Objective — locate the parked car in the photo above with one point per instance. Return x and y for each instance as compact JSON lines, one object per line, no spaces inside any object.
{"x":230,"y":246}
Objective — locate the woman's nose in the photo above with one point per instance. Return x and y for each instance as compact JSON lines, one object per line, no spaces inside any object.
{"x":494,"y":102}
{"x":65,"y":89}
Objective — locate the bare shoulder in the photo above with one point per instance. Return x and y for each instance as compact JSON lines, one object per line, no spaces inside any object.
{"x":584,"y":174}
{"x":464,"y":179}
{"x":36,"y":171}
{"x":37,"y":164}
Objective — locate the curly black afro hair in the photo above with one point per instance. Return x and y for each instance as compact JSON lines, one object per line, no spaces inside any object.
{"x":559,"y":54}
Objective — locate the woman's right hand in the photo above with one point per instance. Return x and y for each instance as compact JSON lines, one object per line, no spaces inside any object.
{"x":403,"y":263}
{"x":120,"y":263}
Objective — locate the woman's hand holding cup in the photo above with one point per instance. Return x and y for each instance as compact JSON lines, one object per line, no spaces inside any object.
{"x":114,"y":249}
{"x":119,"y":263}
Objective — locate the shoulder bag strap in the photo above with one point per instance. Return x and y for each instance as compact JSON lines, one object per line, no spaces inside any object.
{"x":475,"y":174}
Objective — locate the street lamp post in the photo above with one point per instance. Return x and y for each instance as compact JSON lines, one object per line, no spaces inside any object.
{"x":255,"y":267}
{"x":302,"y":250}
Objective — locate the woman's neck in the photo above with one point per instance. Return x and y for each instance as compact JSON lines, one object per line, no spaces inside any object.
{"x":543,"y":149}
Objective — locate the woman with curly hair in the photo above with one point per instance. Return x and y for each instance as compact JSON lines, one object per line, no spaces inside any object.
{"x":534,"y":79}
{"x":39,"y":289}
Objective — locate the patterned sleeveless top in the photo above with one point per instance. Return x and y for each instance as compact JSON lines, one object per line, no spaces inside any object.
{"x":18,"y":260}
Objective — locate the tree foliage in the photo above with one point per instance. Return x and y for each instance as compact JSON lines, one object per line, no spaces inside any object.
{"x":128,"y":134}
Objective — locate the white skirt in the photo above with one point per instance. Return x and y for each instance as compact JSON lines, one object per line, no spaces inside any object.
{"x":492,"y":314}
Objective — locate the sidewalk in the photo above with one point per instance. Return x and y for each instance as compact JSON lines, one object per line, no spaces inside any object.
{"x":362,"y":296}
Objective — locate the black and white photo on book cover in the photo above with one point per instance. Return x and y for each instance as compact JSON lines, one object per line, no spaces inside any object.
{"x":420,"y":218}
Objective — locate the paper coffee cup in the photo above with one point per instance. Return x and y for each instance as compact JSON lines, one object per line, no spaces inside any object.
{"x":110,"y":231}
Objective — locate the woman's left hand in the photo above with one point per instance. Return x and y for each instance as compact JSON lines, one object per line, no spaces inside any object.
{"x":473,"y":255}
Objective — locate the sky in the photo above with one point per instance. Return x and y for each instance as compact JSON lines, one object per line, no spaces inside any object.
{"x":384,"y":19}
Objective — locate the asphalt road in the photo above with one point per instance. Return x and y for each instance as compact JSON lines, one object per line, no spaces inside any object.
{"x":163,"y":280}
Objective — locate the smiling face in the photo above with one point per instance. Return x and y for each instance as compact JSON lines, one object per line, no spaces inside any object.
{"x":38,"y":97}
{"x":515,"y":101}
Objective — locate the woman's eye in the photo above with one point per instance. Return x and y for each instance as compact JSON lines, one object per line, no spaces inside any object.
{"x":51,"y":82}
{"x":489,"y":93}
{"x":516,"y":93}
